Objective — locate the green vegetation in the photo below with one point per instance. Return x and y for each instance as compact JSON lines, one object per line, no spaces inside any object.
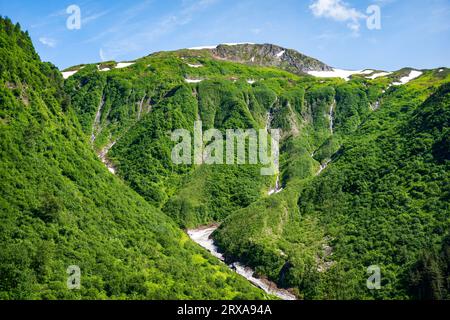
{"x":59,"y":205}
{"x":363,"y":166}
{"x":317,"y":235}
{"x":384,"y":200}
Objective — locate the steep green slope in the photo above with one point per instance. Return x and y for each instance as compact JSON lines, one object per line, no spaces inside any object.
{"x":382,"y":201}
{"x":359,"y":186}
{"x":385,"y":198}
{"x":142,"y":145}
{"x":59,"y":205}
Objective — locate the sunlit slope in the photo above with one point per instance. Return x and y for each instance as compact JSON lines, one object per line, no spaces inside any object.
{"x":343,"y":143}
{"x":59,"y":205}
{"x":383,"y":200}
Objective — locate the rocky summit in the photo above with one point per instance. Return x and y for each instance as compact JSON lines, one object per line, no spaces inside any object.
{"x":269,"y":55}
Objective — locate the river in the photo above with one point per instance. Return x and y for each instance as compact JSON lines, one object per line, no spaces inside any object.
{"x":202,"y":236}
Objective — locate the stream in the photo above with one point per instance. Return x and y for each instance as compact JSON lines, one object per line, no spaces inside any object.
{"x":104,"y":159}
{"x":202,"y":236}
{"x":277,"y":187}
{"x":323,"y":166}
{"x":96,"y":126}
{"x":331,"y":115}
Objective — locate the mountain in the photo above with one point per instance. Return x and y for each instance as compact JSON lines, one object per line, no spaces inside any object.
{"x":289,"y":236}
{"x":269,"y":55}
{"x":59,"y":205}
{"x":382,"y":200}
{"x":363,"y":178}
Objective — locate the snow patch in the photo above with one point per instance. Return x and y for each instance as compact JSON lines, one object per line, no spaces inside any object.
{"x":193,"y":80}
{"x":379,"y":74}
{"x":203,"y":48}
{"x":335,"y":73}
{"x":280,"y":54}
{"x":412,"y":75}
{"x":67,"y":74}
{"x":346,"y":74}
{"x":195,"y":65}
{"x":121,"y":65}
{"x":441,"y":70}
{"x":104,"y":69}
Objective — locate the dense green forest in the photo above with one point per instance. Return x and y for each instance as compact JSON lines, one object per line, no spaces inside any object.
{"x":60,"y":206}
{"x":364,"y":167}
{"x":383,"y":200}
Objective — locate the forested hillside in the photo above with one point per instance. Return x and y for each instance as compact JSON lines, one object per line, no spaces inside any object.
{"x":60,"y":206}
{"x":361,"y":185}
{"x":383,"y":200}
{"x":363,"y":181}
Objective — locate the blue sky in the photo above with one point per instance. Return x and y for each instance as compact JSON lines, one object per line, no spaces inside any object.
{"x":413,"y":33}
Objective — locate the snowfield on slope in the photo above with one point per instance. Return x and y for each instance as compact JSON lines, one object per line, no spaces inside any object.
{"x":335,"y":73}
{"x":379,"y":74}
{"x":203,"y":48}
{"x":280,"y":54}
{"x":412,"y":75}
{"x":121,"y":65}
{"x":67,"y":74}
{"x":346,"y":74}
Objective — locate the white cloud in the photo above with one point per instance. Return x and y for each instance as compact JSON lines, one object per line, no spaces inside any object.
{"x":49,"y":42}
{"x":338,"y":11}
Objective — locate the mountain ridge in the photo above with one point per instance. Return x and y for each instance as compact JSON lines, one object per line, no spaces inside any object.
{"x":363,"y":176}
{"x":264,"y":55}
{"x":270,"y":55}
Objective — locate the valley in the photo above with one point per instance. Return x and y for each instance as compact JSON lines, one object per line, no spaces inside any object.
{"x":88,"y":178}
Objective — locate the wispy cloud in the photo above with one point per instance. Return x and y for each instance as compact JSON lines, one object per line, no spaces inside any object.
{"x":132,"y":38}
{"x":338,"y":11}
{"x":123,"y":22}
{"x":49,"y":42}
{"x":93,"y":17}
